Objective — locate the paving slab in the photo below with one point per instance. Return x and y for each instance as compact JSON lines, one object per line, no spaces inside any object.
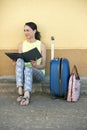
{"x":43,"y":113}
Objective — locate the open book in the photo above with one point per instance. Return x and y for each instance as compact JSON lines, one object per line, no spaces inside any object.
{"x":32,"y":54}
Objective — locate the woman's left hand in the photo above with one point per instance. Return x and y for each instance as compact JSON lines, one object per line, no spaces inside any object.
{"x":33,"y":63}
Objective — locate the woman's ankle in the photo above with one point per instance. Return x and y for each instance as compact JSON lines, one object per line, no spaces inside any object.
{"x":20,"y":90}
{"x":27,"y":94}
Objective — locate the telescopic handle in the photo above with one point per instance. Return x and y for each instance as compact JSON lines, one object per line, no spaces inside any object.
{"x":52,"y":47}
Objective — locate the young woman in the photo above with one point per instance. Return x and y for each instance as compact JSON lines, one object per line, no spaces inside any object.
{"x":33,"y":70}
{"x":74,"y":86}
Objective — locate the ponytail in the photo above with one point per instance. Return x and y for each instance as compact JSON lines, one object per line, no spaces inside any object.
{"x":37,"y":35}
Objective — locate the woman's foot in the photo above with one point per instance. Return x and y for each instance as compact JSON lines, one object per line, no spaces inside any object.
{"x":19,"y":98}
{"x":20,"y":92}
{"x":25,"y":101}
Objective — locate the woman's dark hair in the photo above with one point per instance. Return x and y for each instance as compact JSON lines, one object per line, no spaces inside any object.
{"x":33,"y":26}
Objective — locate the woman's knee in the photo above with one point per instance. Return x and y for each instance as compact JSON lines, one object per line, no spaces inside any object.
{"x":20,"y":61}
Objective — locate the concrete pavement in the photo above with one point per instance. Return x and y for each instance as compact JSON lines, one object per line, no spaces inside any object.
{"x":43,"y":113}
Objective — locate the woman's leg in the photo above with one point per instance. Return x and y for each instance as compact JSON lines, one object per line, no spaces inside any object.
{"x":37,"y":75}
{"x":20,"y":77}
{"x":31,"y":74}
{"x":27,"y":86}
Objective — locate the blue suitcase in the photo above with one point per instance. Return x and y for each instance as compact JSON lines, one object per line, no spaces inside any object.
{"x":59,"y":77}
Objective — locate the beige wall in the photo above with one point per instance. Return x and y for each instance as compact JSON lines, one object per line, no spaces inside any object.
{"x":65,"y":19}
{"x":75,"y":56}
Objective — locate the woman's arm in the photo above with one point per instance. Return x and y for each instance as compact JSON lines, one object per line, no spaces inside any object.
{"x":43,"y":61}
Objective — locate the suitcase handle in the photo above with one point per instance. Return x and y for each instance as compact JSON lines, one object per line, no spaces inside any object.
{"x":52,"y":47}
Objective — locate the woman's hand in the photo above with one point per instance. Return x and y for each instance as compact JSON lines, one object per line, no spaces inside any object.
{"x":33,"y":63}
{"x":13,"y":62}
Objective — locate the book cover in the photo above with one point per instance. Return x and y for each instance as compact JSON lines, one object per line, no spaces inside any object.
{"x":32,"y":54}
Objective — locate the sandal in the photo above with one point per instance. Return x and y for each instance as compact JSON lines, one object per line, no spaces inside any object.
{"x":19,"y":99}
{"x":25,"y":101}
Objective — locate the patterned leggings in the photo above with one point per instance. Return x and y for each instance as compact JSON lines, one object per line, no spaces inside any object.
{"x":25,"y":75}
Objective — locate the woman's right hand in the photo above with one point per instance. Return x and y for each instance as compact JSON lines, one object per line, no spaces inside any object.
{"x":13,"y":62}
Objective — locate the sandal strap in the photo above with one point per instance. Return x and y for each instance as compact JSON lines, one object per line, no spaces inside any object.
{"x":19,"y":98}
{"x":24,"y":100}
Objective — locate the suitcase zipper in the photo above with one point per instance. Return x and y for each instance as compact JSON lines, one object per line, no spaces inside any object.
{"x":60,"y":81}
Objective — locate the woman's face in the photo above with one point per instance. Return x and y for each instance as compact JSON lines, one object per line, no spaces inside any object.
{"x":29,"y":32}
